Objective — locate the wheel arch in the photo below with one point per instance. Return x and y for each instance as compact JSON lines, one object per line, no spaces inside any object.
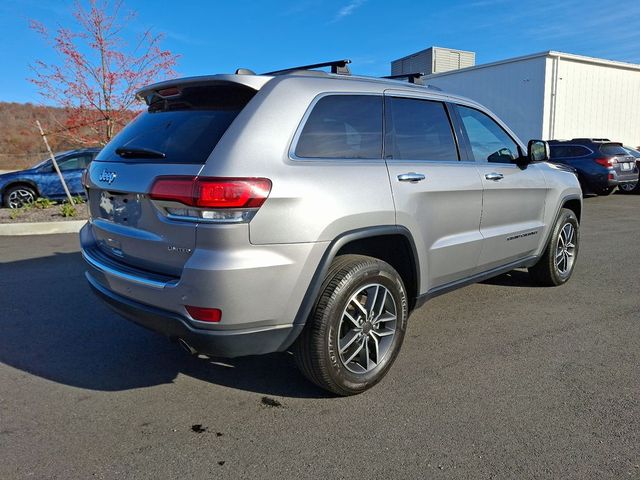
{"x":573,"y":204}
{"x":18,"y":182}
{"x":370,"y":241}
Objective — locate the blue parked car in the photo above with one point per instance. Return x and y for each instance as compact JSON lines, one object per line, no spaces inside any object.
{"x":601,"y":165}
{"x":22,"y":187}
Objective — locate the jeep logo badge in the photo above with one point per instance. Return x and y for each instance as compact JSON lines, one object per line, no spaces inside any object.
{"x":107,"y":176}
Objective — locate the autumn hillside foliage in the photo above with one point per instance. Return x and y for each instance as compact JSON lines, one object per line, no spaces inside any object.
{"x":20,"y":142}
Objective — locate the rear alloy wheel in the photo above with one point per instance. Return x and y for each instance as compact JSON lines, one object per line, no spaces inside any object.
{"x":357,"y":327}
{"x":628,"y":188}
{"x":558,"y":260}
{"x":19,"y":196}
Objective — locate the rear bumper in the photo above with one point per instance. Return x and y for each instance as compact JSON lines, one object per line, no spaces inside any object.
{"x":624,"y":177}
{"x":219,"y":343}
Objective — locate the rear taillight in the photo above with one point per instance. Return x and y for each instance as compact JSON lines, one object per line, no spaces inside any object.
{"x":213,"y":199}
{"x":605,"y":162}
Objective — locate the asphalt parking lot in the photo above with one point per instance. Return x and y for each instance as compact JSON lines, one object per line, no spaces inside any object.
{"x":496,"y":380}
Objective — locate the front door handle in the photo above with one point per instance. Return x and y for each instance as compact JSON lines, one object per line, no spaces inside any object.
{"x":411,"y":177}
{"x":494,"y":176}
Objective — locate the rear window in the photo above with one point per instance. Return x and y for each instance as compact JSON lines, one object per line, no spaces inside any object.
{"x":343,"y":126}
{"x":184,"y":128}
{"x":632,"y":151}
{"x":612,"y":149}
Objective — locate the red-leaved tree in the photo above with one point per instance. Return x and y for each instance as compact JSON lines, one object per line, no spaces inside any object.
{"x":97,"y":73}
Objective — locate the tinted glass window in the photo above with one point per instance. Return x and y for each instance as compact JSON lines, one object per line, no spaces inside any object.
{"x":558,"y":151}
{"x":418,"y":130}
{"x":613,"y":149}
{"x":579,"y":151}
{"x":632,"y":151}
{"x":75,"y":163}
{"x":568,"y":151}
{"x":185,"y":127}
{"x":489,"y":142}
{"x":343,"y":126}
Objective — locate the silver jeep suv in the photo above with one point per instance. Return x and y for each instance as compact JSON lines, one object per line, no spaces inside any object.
{"x":311,"y":211}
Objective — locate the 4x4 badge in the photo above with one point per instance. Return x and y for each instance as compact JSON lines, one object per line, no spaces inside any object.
{"x":107,"y":176}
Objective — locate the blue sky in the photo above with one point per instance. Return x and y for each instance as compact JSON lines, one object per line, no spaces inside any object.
{"x":214,"y":36}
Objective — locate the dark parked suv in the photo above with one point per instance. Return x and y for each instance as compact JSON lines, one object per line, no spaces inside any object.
{"x":633,"y":187}
{"x":601,"y":165}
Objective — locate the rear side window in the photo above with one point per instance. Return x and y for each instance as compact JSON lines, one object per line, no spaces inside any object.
{"x":612,"y":149}
{"x":489,"y":142}
{"x":343,"y":126}
{"x":184,"y":128}
{"x":418,"y":130}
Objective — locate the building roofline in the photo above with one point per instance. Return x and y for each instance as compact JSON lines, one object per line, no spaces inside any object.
{"x":548,"y":53}
{"x":430,"y":48}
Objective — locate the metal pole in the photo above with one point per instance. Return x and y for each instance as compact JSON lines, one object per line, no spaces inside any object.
{"x":55,"y":164}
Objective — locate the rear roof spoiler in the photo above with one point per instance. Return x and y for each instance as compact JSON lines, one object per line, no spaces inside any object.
{"x":255,"y":82}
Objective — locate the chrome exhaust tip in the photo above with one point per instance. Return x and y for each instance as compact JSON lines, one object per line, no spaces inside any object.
{"x":185,"y":346}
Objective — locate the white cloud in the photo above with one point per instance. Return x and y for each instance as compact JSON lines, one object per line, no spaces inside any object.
{"x":348,"y":9}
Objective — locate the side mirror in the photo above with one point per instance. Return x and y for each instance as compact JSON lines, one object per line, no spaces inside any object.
{"x":538,"y":151}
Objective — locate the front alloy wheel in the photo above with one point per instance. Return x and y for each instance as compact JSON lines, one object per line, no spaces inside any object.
{"x":557,"y":263}
{"x":566,"y":249}
{"x":17,"y":197}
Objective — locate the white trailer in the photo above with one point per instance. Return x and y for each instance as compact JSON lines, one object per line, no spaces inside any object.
{"x":554,"y":95}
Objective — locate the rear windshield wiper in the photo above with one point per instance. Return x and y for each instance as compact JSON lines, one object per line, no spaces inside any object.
{"x":138,"y":152}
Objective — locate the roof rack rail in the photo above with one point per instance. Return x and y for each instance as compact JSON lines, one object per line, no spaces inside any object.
{"x":415,"y":77}
{"x":582,"y":139}
{"x":337,"y":66}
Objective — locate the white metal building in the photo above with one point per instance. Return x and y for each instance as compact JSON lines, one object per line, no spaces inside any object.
{"x":553,"y":95}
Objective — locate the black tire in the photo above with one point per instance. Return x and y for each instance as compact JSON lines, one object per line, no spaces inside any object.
{"x":629,"y":188}
{"x":18,"y":196}
{"x":317,"y":351}
{"x":547,"y":272}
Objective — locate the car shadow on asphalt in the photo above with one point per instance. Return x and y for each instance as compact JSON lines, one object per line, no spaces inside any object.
{"x":53,"y":326}
{"x":514,"y":278}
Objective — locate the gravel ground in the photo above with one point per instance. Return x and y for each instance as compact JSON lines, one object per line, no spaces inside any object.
{"x":52,"y":214}
{"x":496,"y":380}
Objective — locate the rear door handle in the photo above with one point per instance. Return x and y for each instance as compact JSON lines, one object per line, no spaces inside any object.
{"x":411,"y":177}
{"x":494,"y":176}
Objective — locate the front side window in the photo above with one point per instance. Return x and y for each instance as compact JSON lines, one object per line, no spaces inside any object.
{"x":560,"y":151}
{"x":343,"y":126}
{"x":418,"y":130}
{"x":489,"y":142}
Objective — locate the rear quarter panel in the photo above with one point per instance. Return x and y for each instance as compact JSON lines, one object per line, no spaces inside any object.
{"x":310,"y":200}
